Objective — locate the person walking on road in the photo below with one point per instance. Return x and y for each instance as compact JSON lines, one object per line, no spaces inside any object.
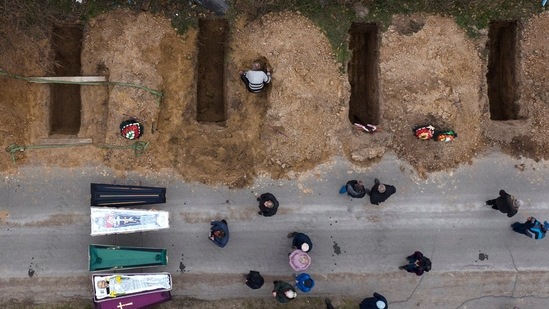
{"x":255,"y":79}
{"x":505,"y":203}
{"x":380,"y":192}
{"x":353,"y":188}
{"x":219,"y":233}
{"x":299,"y":260}
{"x":417,"y":263}
{"x":284,"y":292}
{"x":301,"y":241}
{"x":531,"y":228}
{"x":376,"y":302}
{"x":304,"y":282}
{"x":268,"y":204}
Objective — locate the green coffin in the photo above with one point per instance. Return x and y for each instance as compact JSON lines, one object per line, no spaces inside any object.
{"x":103,"y":257}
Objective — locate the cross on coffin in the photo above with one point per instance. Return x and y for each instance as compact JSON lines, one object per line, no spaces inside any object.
{"x":121,"y":305}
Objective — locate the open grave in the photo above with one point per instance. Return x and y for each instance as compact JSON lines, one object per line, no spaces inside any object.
{"x":65,"y":102}
{"x":502,"y":76}
{"x":364,"y":73}
{"x":212,"y":39}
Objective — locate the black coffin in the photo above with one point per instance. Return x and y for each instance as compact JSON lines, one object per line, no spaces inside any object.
{"x":121,"y":195}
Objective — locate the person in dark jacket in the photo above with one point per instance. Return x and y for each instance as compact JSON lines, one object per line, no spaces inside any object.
{"x":380,"y":192}
{"x":301,"y":241}
{"x":353,"y":188}
{"x":505,"y":203}
{"x":284,"y":292}
{"x":417,"y":263}
{"x":376,"y":302}
{"x":219,"y":233}
{"x":268,"y":205}
{"x":531,"y":228}
{"x":254,"y":280}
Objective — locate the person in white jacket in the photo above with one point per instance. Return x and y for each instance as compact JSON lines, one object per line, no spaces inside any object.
{"x":255,"y":79}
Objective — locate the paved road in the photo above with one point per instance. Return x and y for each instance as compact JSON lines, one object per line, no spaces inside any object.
{"x":478,"y":262}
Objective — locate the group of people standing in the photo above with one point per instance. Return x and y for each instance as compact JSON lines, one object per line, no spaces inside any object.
{"x":299,"y":258}
{"x":508,"y":204}
{"x":302,"y":245}
{"x":379,"y":193}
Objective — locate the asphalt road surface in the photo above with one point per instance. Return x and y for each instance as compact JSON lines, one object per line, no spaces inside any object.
{"x":478,"y":261}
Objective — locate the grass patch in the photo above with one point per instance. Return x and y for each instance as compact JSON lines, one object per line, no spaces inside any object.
{"x":471,"y":15}
{"x":335,"y":20}
{"x":334,"y":17}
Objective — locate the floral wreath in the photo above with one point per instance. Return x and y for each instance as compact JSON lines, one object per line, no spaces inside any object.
{"x":425,"y":133}
{"x":131,"y":129}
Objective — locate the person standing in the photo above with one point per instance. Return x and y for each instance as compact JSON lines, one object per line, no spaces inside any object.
{"x":254,"y":280}
{"x":505,"y":203}
{"x":268,"y":204}
{"x":255,"y":79}
{"x":380,"y":192}
{"x":299,"y":260}
{"x":284,"y":292}
{"x":531,"y":228}
{"x":304,"y":282}
{"x":417,"y":263}
{"x":376,"y":302}
{"x":219,"y":233}
{"x":353,"y":188}
{"x":301,"y":241}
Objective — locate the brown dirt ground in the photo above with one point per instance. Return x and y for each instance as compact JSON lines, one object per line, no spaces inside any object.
{"x":430,"y":72}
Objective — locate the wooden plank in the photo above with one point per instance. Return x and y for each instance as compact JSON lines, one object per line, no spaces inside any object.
{"x":63,"y":140}
{"x":78,"y":79}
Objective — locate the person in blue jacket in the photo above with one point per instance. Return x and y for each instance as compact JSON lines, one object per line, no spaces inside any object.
{"x":304,"y":282}
{"x":353,"y":188}
{"x":531,"y":228}
{"x":219,"y":233}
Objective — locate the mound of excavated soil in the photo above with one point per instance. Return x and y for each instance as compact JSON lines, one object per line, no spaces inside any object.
{"x":430,"y":72}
